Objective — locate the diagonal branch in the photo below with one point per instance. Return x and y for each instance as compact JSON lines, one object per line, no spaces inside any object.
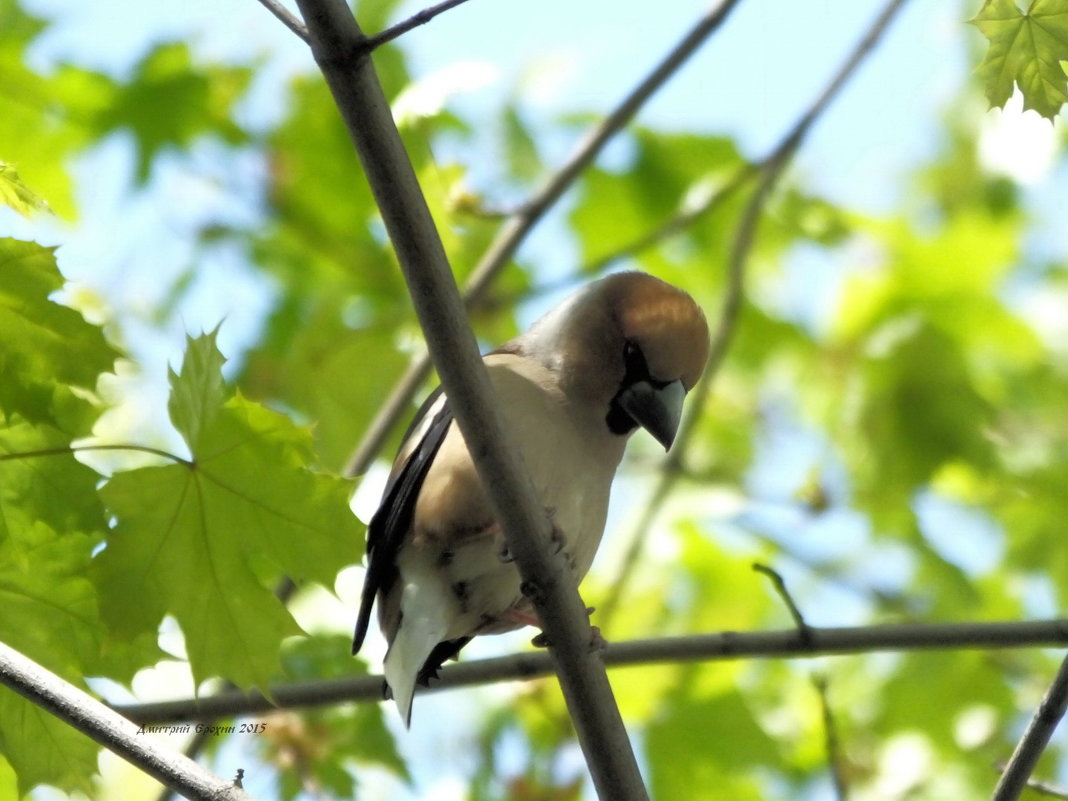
{"x":771,"y":170}
{"x":1040,"y":787}
{"x":286,"y":18}
{"x":372,"y":42}
{"x":197,"y":743}
{"x":107,"y":727}
{"x":779,"y":584}
{"x":831,"y":741}
{"x":520,"y":224}
{"x":337,"y":44}
{"x":414,"y":21}
{"x":784,"y":644}
{"x":1049,"y":713}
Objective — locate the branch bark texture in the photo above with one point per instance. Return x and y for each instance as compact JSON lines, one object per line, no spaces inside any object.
{"x":116,"y":733}
{"x":789,"y":643}
{"x":339,"y":48}
{"x":1035,"y":739}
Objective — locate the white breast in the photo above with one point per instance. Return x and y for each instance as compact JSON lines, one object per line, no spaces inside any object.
{"x":571,"y":458}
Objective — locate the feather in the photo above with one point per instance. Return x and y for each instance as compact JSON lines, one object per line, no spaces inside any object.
{"x":393,"y":520}
{"x":427,"y":609}
{"x":618,"y":355}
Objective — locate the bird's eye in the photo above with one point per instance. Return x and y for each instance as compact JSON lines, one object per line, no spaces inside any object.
{"x":634,"y":360}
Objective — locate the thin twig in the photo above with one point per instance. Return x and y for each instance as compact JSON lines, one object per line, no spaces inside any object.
{"x":397,"y":406}
{"x":607,"y":609}
{"x":676,"y":224}
{"x":519,"y":225}
{"x":371,"y":42}
{"x":1047,"y":788}
{"x":84,"y":713}
{"x":1035,"y":738}
{"x":673,"y":225}
{"x":286,"y":18}
{"x":1041,"y":787}
{"x":414,"y":21}
{"x":780,"y":587}
{"x":771,"y":169}
{"x":831,"y":742}
{"x":784,"y":644}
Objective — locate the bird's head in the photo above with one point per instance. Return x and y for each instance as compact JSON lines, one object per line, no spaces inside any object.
{"x":631,"y":345}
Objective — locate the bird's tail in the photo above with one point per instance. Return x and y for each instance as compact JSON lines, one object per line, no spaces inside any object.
{"x":426,"y":613}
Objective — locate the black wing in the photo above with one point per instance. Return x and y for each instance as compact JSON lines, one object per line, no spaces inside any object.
{"x":391,"y":522}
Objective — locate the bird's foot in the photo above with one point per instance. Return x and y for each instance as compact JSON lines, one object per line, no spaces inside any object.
{"x":557,"y":536}
{"x":597,"y":640}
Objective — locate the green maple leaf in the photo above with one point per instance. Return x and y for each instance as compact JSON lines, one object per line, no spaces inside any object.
{"x":50,"y":519}
{"x":42,"y":749}
{"x":206,"y":539}
{"x":171,"y":101}
{"x":36,"y":132}
{"x":50,"y":614}
{"x":41,"y":342}
{"x":1026,"y":49}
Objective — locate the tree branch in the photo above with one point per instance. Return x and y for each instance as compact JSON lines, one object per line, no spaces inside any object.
{"x":192,"y":749}
{"x":830,"y":741}
{"x":779,"y":584}
{"x":1049,"y":713}
{"x":372,"y":42}
{"x":414,"y":21}
{"x":1041,"y":787}
{"x":771,"y":169}
{"x":286,"y":18}
{"x":337,"y":44}
{"x":519,"y":225}
{"x":788,"y":643}
{"x":107,"y":727}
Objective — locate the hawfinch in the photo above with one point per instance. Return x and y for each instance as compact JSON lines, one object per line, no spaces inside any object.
{"x":617,"y":355}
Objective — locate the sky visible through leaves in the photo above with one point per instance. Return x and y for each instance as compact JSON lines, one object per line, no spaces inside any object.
{"x":887,"y":431}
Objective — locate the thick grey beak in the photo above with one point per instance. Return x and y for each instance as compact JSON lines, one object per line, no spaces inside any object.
{"x":656,"y":409}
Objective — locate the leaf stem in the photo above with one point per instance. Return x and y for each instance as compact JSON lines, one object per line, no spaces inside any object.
{"x":72,"y":449}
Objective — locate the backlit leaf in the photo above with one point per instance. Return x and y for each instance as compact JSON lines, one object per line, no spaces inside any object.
{"x":207,"y":539}
{"x":41,"y":342}
{"x":15,"y":193}
{"x":1027,"y":49}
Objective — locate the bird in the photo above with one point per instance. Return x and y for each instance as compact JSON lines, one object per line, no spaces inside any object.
{"x":616,"y":356}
